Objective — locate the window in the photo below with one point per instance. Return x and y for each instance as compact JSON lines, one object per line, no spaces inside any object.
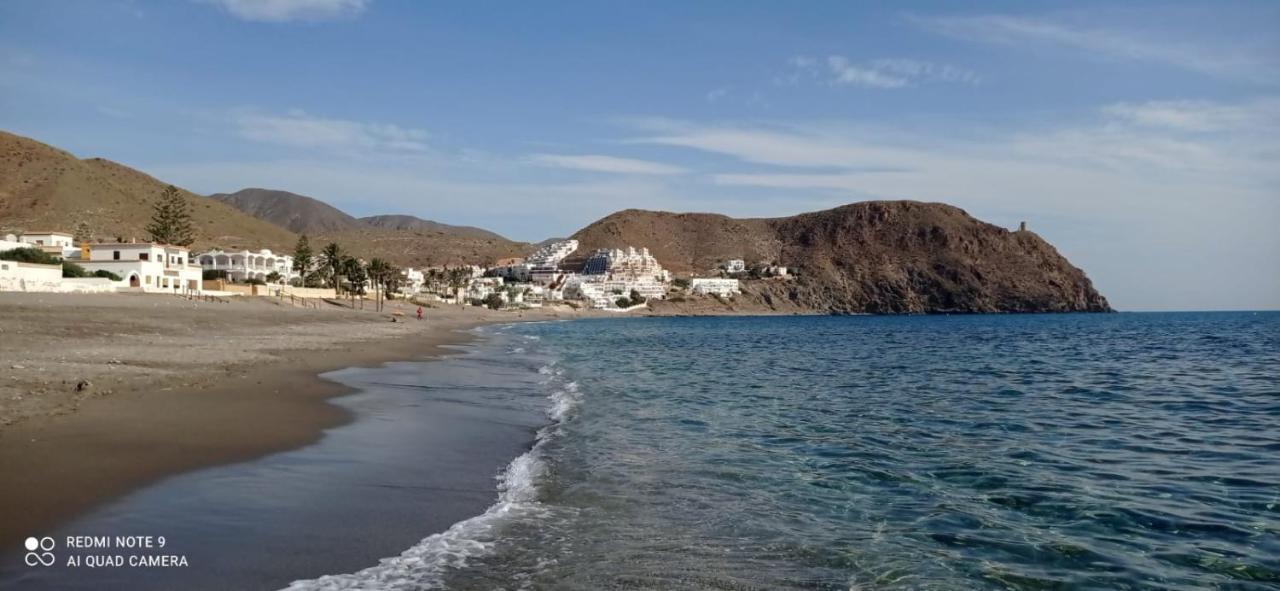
{"x":145,"y":256}
{"x":115,"y":255}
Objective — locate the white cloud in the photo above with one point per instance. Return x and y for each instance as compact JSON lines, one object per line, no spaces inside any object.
{"x":600,"y":163}
{"x":1200,"y":116}
{"x":885,"y":73}
{"x":301,"y":130}
{"x":1156,"y":206}
{"x":279,"y":11}
{"x":1215,"y":60}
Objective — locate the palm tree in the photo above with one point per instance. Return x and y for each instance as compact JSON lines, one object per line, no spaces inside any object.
{"x":331,"y":258}
{"x":356,"y":278}
{"x":459,"y":277}
{"x":378,"y":269}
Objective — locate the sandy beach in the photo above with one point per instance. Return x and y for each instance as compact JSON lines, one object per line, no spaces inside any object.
{"x":102,"y":394}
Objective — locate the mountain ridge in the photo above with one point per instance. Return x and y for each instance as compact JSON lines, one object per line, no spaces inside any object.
{"x":866,"y":257}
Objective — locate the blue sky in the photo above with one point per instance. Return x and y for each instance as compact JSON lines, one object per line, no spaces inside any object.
{"x":1140,"y":139}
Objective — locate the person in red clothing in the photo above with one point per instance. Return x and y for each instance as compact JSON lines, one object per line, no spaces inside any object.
{"x":419,"y":312}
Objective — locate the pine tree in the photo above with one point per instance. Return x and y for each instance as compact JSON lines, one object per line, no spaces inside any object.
{"x":83,"y":234}
{"x":302,"y":258}
{"x":332,"y":261}
{"x":171,"y":220}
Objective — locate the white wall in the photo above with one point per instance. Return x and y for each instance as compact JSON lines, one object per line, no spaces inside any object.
{"x":16,"y":276}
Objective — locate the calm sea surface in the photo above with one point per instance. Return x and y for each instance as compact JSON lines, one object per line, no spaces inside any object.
{"x":1121,"y":451}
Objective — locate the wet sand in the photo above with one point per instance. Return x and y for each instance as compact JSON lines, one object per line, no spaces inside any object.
{"x":427,"y":441}
{"x":190,"y":386}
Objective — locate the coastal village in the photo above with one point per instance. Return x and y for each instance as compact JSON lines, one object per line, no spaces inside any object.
{"x":556,"y":274}
{"x":610,"y":279}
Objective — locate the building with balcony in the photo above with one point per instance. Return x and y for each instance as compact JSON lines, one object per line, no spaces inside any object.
{"x":714,"y":285}
{"x":249,"y":264}
{"x":145,"y":266}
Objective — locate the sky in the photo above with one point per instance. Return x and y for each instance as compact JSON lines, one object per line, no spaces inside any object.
{"x":1141,"y":139}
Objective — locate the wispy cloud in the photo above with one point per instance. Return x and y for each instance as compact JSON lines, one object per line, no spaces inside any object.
{"x":1216,"y":60}
{"x":885,"y":73}
{"x":302,"y":130}
{"x":601,"y":163}
{"x":717,"y":94}
{"x":1139,"y":194}
{"x":280,"y":11}
{"x":1200,"y":116}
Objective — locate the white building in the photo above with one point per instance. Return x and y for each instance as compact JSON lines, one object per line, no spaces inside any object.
{"x":412,"y":280}
{"x":544,"y":265}
{"x":58,"y":244}
{"x":714,"y":285}
{"x":735,"y":266}
{"x":145,"y":266}
{"x":249,"y":264}
{"x":517,"y":272}
{"x":10,"y":242}
{"x":481,"y":287}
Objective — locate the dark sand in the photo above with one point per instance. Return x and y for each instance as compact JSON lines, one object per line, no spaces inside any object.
{"x":422,"y":453}
{"x":191,"y":385}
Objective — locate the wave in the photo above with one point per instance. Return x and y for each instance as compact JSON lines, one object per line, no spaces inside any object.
{"x":424,"y":565}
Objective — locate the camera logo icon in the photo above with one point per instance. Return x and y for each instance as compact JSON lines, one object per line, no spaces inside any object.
{"x":39,"y":551}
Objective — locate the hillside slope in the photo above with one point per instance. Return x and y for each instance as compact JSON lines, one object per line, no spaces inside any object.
{"x":44,"y":188}
{"x":875,"y":257}
{"x":416,"y":224}
{"x":423,"y":248}
{"x":297,"y":213}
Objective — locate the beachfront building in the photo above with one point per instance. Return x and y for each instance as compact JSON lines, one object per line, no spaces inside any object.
{"x":145,"y":266}
{"x":412,"y":280}
{"x":512,"y":271}
{"x":613,"y":273}
{"x":544,"y":265}
{"x":625,"y":264}
{"x":481,"y":287}
{"x":59,"y":244}
{"x":249,"y":264}
{"x":714,"y":286}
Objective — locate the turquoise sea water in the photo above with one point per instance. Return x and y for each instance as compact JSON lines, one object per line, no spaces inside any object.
{"x":1120,"y":451}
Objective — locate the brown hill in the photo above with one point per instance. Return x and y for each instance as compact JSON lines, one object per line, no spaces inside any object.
{"x":44,"y":188}
{"x":297,"y":213}
{"x":402,"y":239}
{"x":410,"y":248}
{"x":877,"y":257}
{"x":416,"y":224}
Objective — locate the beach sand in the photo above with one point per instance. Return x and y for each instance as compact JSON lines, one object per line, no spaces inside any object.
{"x":174,"y":385}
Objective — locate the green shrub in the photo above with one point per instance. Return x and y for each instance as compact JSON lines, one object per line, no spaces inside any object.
{"x":210,"y":274}
{"x":105,"y":274}
{"x":623,"y":302}
{"x":73,"y":270}
{"x":494,"y":301}
{"x":28,"y":254}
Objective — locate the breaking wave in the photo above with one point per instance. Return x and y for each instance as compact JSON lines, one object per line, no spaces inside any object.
{"x":424,"y":565}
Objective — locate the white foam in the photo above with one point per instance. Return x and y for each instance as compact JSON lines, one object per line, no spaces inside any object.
{"x":563,"y":402}
{"x":424,"y":565}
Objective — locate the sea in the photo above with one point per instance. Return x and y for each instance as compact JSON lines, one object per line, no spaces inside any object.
{"x":1099,"y":451}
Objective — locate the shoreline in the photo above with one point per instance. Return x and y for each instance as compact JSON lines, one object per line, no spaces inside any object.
{"x":59,"y":466}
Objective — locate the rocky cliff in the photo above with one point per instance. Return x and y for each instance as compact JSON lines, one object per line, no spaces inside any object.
{"x":871,"y":257}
